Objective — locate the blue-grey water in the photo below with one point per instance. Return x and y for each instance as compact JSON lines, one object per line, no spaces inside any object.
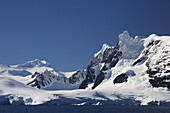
{"x":84,"y":109}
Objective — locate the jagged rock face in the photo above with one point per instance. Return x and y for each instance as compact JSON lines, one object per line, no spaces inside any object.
{"x":77,"y":77}
{"x":47,"y":78}
{"x":99,"y":79}
{"x":126,"y":48}
{"x":158,"y":65}
{"x":105,"y":55}
{"x":160,"y":81}
{"x":42,"y":80}
{"x":157,"y":57}
{"x":102,"y":61}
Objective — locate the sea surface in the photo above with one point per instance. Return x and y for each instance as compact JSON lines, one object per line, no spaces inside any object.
{"x":83,"y":109}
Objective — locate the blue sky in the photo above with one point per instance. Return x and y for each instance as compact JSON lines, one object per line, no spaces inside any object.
{"x":67,"y":33}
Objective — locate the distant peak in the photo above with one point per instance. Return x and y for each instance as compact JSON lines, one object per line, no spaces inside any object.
{"x":33,"y":63}
{"x":35,"y":60}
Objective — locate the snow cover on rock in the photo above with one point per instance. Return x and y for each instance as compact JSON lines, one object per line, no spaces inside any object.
{"x":105,"y":46}
{"x":51,"y":81}
{"x":144,"y":63}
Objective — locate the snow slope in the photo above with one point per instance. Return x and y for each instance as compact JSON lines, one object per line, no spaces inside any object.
{"x":27,"y":72}
{"x":23,"y":72}
{"x":140,"y":76}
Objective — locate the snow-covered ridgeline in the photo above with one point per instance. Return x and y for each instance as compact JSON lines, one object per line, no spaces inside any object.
{"x":134,"y":72}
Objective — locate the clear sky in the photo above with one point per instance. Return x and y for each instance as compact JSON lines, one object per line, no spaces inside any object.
{"x":67,"y":33}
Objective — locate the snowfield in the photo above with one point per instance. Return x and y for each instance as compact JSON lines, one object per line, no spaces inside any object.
{"x":138,"y":56}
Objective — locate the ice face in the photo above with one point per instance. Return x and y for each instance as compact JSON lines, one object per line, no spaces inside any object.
{"x":130,"y":47}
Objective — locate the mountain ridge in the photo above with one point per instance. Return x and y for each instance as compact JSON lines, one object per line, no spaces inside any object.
{"x":135,"y":72}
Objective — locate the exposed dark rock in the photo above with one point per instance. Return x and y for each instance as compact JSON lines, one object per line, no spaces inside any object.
{"x":150,"y":44}
{"x":104,"y":68}
{"x":41,"y":80}
{"x":84,"y":84}
{"x":121,"y":78}
{"x":160,"y":82}
{"x":50,"y":80}
{"x":146,"y":52}
{"x":99,"y":79}
{"x":113,"y":63}
{"x":157,"y":63}
{"x":156,"y":42}
{"x":153,"y":43}
{"x":167,"y":71}
{"x":110,"y":56}
{"x":139,"y":60}
{"x":77,"y":77}
{"x":157,"y":68}
{"x":34,"y":83}
{"x":35,"y":74}
{"x":46,"y":79}
{"x":152,"y":72}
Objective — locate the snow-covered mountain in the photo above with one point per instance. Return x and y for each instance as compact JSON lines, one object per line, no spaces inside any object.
{"x":27,"y":68}
{"x":40,"y":74}
{"x":55,"y":81}
{"x":108,"y":57}
{"x":136,"y":71}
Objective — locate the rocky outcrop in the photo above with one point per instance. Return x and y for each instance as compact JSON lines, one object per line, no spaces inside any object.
{"x":160,"y":81}
{"x":99,"y":79}
{"x":42,"y":79}
{"x":120,"y":78}
{"x":77,"y":77}
{"x":47,"y":79}
{"x":102,"y":61}
{"x":157,"y":57}
{"x":158,"y":68}
{"x":124,"y":77}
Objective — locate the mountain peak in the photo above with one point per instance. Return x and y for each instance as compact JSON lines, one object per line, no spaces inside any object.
{"x":124,"y":35}
{"x":34,"y":63}
{"x":104,"y":47}
{"x":130,"y":47}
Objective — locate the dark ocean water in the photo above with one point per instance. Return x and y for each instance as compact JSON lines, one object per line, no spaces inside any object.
{"x":84,"y":109}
